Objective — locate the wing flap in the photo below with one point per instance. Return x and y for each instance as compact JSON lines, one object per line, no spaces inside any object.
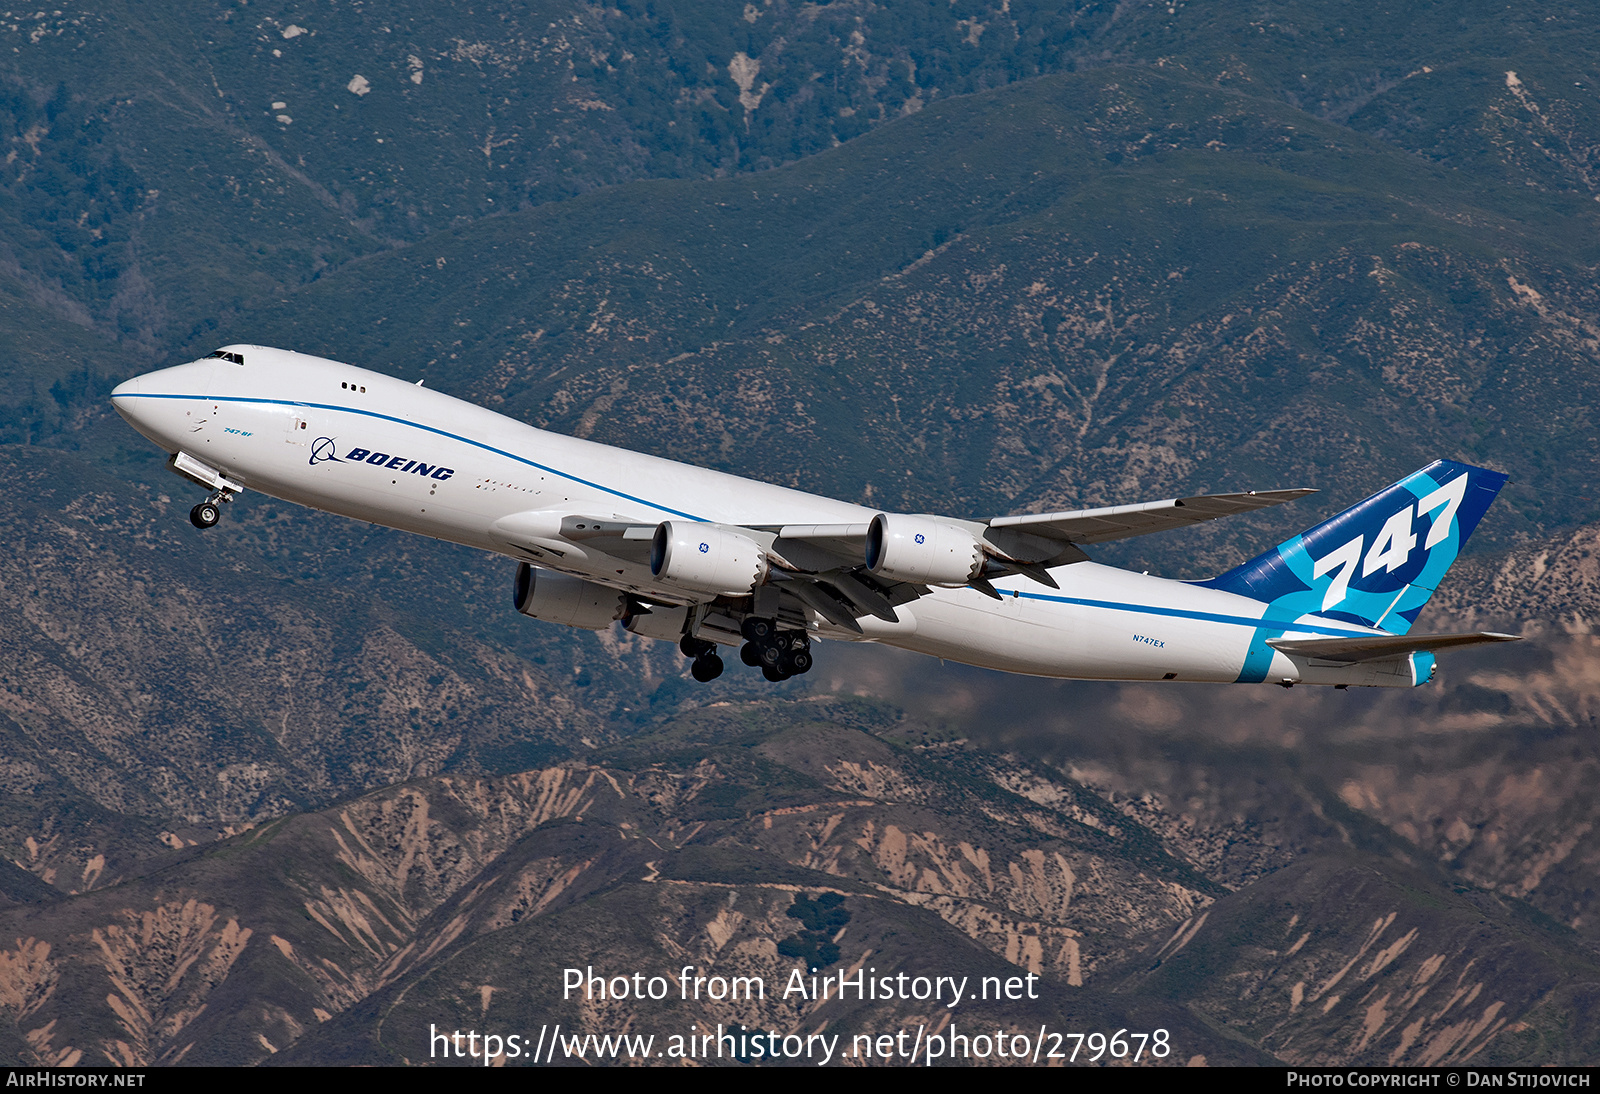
{"x":1380,"y":647}
{"x":825,"y":605}
{"x":1123,"y":521}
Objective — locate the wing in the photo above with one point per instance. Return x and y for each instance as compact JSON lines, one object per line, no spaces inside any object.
{"x":823,"y":566}
{"x":1123,"y":521}
{"x":1026,"y":543}
{"x":1381,"y":647}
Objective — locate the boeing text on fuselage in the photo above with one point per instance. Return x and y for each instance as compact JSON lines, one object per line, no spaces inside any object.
{"x":708,"y":560}
{"x":326,"y":450}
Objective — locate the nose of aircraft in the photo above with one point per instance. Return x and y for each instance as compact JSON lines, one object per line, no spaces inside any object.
{"x":124,"y":399}
{"x":129,"y":400}
{"x":148,"y":402}
{"x":125,"y":389}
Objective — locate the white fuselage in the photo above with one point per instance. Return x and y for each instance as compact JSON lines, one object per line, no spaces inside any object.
{"x":287,"y":424}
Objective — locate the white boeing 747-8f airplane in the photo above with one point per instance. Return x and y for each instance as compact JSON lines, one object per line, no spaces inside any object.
{"x":706,"y":559}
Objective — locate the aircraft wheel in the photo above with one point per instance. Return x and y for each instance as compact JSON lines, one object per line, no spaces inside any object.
{"x":205,"y":515}
{"x":774,"y":674}
{"x":769,"y":654}
{"x":750,"y":654}
{"x":756,"y":629}
{"x":706,"y":667}
{"x":798,"y":662}
{"x":695,"y":647}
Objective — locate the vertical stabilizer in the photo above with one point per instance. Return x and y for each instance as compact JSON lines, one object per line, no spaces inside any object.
{"x":1376,"y":563}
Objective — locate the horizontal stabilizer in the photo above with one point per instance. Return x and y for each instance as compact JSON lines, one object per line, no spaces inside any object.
{"x":1380,"y":647}
{"x":1123,"y":521}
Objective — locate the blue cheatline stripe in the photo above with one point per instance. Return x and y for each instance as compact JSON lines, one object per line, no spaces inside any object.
{"x":1110,"y":605}
{"x":1258,"y":658}
{"x":1205,"y":617}
{"x":425,"y":429}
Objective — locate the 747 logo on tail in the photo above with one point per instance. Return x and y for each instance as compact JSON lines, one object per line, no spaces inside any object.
{"x":1392,"y":547}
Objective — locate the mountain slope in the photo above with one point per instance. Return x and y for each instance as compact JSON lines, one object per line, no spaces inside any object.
{"x":977,"y":313}
{"x":344,"y":936}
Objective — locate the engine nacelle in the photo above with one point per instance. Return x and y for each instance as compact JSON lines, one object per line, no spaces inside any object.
{"x":571,"y":601}
{"x":706,"y":559}
{"x":919,"y":549}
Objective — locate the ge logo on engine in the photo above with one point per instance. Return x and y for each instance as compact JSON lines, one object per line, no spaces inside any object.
{"x":704,"y":547}
{"x":921,"y":538}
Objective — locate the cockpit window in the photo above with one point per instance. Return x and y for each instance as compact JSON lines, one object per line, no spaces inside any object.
{"x":236,"y":358}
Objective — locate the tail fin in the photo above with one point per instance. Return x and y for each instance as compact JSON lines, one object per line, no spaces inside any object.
{"x":1378,"y":562}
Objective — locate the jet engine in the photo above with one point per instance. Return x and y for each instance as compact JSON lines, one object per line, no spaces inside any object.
{"x":706,"y":559}
{"x":571,"y":601}
{"x":923,"y":550}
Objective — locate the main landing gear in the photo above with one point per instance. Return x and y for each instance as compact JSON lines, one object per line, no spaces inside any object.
{"x":707,"y":665}
{"x":778,"y":654}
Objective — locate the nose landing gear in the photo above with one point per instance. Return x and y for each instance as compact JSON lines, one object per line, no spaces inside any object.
{"x":208,"y":512}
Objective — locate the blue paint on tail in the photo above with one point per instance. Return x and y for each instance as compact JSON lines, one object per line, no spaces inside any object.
{"x":1375,"y":564}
